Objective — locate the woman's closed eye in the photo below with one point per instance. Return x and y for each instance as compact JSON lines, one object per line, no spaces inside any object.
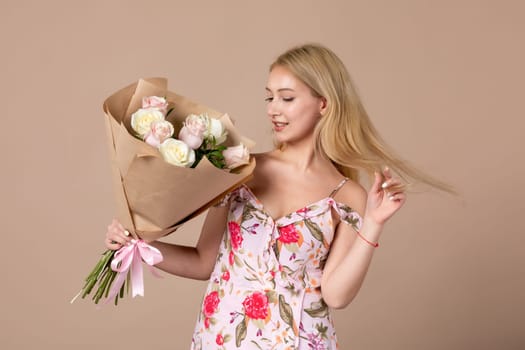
{"x":285,"y":99}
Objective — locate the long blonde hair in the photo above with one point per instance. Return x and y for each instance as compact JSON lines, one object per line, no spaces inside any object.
{"x":345,"y":133}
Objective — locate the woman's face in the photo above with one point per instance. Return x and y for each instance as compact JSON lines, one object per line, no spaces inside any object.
{"x":292,"y":108}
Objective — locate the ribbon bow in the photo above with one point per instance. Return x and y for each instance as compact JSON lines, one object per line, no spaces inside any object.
{"x":130,"y":257}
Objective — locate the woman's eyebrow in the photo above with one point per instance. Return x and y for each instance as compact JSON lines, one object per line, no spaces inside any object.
{"x":281,"y":89}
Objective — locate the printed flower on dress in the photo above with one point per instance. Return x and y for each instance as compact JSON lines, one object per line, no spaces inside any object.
{"x":288,"y":234}
{"x":256,"y":306}
{"x":210,"y":306}
{"x":226,"y":275}
{"x":219,"y":339}
{"x":235,"y":233}
{"x":290,"y":237}
{"x":315,"y":342}
{"x":256,"y":310}
{"x":350,"y":216}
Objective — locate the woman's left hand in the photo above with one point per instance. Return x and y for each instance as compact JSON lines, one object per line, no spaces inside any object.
{"x":384,"y":198}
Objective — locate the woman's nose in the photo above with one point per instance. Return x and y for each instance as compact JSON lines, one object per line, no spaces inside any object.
{"x":272,"y":109}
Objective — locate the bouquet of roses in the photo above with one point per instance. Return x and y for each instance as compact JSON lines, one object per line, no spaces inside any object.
{"x":200,"y":136}
{"x":161,"y":181}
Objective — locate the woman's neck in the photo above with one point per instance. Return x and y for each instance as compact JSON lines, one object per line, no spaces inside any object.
{"x":301,"y":156}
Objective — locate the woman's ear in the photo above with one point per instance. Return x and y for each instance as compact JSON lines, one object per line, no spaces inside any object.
{"x":323,"y":105}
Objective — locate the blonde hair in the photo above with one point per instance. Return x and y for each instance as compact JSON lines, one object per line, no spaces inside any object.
{"x":345,"y":133}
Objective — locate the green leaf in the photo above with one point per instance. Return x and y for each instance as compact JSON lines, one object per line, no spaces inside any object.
{"x":276,"y":250}
{"x":285,"y":311}
{"x":240,"y":332}
{"x":237,"y":260}
{"x":322,"y":329}
{"x":272,"y":296}
{"x":314,"y":230}
{"x":247,"y":211}
{"x":292,"y":247}
{"x":255,"y":343}
{"x":317,"y":309}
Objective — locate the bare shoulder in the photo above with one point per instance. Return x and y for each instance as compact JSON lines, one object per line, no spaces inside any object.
{"x":354,"y":195}
{"x":265,"y":163}
{"x":265,"y":159}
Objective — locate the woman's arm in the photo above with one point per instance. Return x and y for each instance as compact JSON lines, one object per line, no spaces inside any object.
{"x":350,"y":255}
{"x":191,"y":262}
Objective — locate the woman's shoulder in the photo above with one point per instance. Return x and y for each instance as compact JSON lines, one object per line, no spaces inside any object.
{"x":354,"y":195}
{"x":266,"y":162}
{"x":264,"y":158}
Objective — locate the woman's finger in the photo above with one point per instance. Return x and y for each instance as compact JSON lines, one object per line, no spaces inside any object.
{"x":392,"y":186}
{"x":113,"y":245}
{"x":116,"y":234}
{"x":397,"y":197}
{"x":120,"y":225}
{"x":387,"y":173}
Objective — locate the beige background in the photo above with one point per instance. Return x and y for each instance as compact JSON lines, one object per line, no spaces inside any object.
{"x":442,"y":80}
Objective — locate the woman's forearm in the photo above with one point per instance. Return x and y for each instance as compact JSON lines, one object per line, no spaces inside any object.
{"x":346,"y":278}
{"x":183,"y":261}
{"x":195,"y":262}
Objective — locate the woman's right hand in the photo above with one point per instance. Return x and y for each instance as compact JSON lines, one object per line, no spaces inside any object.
{"x":117,"y":236}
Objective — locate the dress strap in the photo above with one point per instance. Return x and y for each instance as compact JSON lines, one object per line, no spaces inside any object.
{"x":334,"y":192}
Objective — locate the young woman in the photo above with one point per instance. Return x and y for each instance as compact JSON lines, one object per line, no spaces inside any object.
{"x":297,"y":240}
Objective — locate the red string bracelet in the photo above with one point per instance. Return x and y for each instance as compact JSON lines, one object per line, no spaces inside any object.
{"x":373,"y":244}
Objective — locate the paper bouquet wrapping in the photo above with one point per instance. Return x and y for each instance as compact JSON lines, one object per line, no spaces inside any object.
{"x":154,"y":196}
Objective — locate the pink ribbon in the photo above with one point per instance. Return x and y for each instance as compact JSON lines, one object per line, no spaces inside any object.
{"x":130,"y":257}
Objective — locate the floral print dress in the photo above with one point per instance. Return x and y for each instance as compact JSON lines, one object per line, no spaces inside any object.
{"x":264,"y":292}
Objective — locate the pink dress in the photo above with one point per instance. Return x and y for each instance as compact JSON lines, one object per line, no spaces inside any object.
{"x":264,"y":292}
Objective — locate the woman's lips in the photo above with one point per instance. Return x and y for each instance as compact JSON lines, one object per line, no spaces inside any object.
{"x":278,"y":126}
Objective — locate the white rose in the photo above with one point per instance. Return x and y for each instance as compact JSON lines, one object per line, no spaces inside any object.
{"x":215,"y":130}
{"x":141,"y":120}
{"x":176,"y":152}
{"x":236,"y":156}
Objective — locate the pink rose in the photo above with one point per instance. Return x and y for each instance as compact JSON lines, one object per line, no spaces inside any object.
{"x":235,"y":234}
{"x":236,"y":156}
{"x":159,"y":103}
{"x":192,"y":133}
{"x":256,"y":306}
{"x":160,"y":131}
{"x":211,"y":302}
{"x":288,"y":234}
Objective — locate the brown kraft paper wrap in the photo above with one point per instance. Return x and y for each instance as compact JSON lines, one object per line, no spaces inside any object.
{"x":152,"y":196}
